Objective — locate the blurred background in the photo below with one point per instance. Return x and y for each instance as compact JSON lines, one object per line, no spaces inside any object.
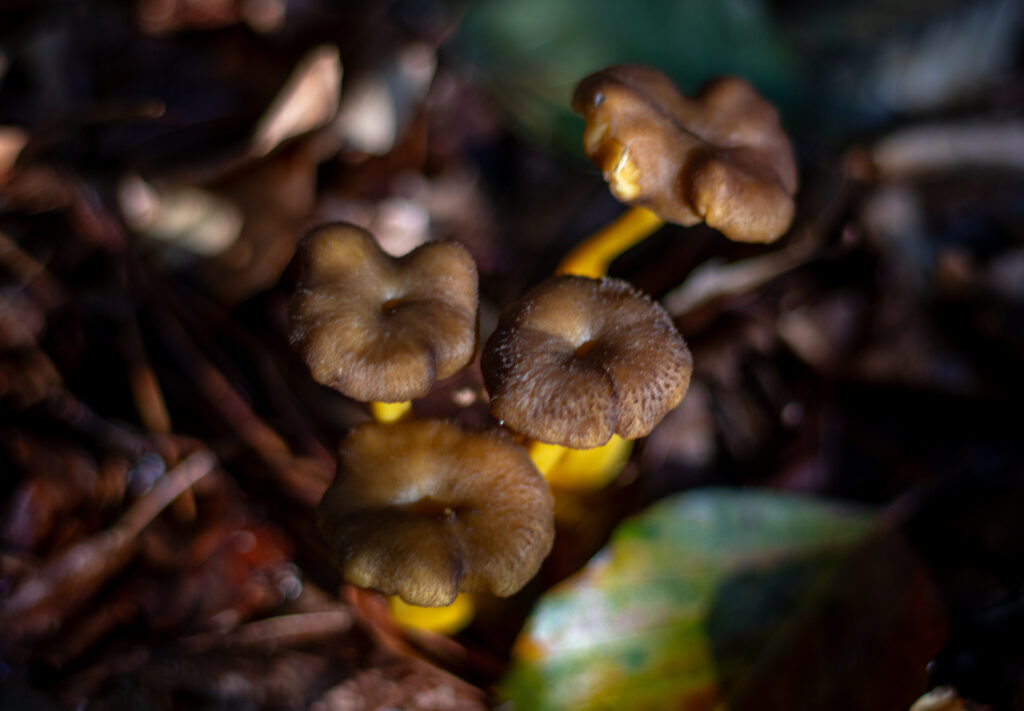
{"x":831,"y":519}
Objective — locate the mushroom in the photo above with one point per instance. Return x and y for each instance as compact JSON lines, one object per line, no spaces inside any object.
{"x":721,"y":157}
{"x":378,"y":328}
{"x":578,"y":359}
{"x":424,"y":509}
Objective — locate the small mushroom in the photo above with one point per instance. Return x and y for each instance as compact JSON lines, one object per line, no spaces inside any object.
{"x":721,"y":157}
{"x":578,"y":359}
{"x":378,"y":328}
{"x":424,"y":509}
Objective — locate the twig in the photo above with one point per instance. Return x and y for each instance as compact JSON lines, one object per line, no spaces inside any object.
{"x":66,"y":408}
{"x":305,"y":479}
{"x":715,"y":280}
{"x":60,"y":404}
{"x":282,"y":630}
{"x":929,"y":149}
{"x":41,"y":602}
{"x":32,"y":274}
{"x":219,"y":391}
{"x":150,"y":404}
{"x":187,"y":303}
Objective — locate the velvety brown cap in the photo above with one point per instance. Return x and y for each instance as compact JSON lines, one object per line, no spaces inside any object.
{"x":379,"y":328}
{"x":424,"y":509}
{"x":578,"y":359}
{"x":721,"y":157}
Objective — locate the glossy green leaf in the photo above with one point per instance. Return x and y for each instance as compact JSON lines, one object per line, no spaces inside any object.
{"x":755,"y":599}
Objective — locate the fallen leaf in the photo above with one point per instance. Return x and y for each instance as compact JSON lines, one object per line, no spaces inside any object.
{"x":187,"y":217}
{"x":309,"y":99}
{"x":377,"y":108}
{"x":750,"y":599}
{"x":12,"y":140}
{"x":945,"y":698}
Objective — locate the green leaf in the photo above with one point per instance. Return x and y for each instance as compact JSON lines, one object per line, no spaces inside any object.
{"x":531,"y":53}
{"x":755,"y":599}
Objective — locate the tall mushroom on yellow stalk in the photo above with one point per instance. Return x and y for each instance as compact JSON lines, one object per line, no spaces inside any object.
{"x":721,"y":158}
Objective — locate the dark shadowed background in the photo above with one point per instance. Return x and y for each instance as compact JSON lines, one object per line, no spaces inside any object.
{"x":830,"y":520}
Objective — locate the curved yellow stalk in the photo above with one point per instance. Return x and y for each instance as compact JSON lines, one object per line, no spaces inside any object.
{"x":593,"y":256}
{"x":589,"y":469}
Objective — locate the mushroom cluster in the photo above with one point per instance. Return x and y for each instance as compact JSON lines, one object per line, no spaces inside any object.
{"x":426,"y":510}
{"x":421,"y":509}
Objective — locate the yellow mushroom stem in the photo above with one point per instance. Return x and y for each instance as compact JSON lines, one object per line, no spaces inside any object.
{"x":593,"y":256}
{"x":443,"y":620}
{"x":580,"y":469}
{"x":591,"y":469}
{"x":387,"y":412}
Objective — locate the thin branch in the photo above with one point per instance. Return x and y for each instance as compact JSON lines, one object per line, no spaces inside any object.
{"x":41,"y":602}
{"x":294,"y":629}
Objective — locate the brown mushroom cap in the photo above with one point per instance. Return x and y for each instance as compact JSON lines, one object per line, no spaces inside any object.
{"x":578,"y":359}
{"x":721,"y":157}
{"x":424,"y":509}
{"x":380,"y":328}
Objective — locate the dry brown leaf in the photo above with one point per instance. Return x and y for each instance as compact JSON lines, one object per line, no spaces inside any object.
{"x":309,"y":99}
